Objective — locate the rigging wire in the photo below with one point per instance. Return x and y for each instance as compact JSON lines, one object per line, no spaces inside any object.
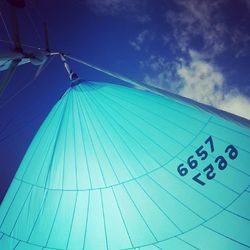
{"x":72,"y":75}
{"x":110,"y":73}
{"x":33,"y":24}
{"x":158,"y":91}
{"x":23,"y":44}
{"x":26,"y":85}
{"x":136,"y":84}
{"x":107,"y":72}
{"x":39,"y":14}
{"x":6,"y":28}
{"x":10,"y":122}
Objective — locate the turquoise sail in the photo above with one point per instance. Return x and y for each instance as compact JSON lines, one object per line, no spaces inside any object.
{"x":115,"y":167}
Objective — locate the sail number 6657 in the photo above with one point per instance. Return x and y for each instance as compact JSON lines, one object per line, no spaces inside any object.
{"x":201,"y":153}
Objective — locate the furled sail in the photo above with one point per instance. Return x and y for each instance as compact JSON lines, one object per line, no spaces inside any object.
{"x":114,"y":167}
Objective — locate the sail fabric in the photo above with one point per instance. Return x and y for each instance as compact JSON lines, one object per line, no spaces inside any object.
{"x":114,"y":167}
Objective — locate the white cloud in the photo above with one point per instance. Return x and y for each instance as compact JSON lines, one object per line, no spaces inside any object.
{"x":163,"y":73}
{"x":236,"y":103}
{"x":203,"y":82}
{"x":198,"y":19}
{"x":199,"y":80}
{"x":202,"y":23}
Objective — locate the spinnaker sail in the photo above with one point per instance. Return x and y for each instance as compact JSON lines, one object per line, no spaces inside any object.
{"x":115,"y":167}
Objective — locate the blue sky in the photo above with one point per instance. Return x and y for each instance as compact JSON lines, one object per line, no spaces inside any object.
{"x":199,"y":49}
{"x":196,"y":48}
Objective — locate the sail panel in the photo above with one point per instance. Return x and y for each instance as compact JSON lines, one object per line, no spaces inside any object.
{"x":114,"y":167}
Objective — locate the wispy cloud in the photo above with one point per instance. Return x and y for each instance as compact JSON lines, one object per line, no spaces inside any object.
{"x":197,"y":31}
{"x":203,"y":82}
{"x":199,"y":80}
{"x":137,"y":43}
{"x":201,"y":23}
{"x":163,"y":73}
{"x":134,"y":9}
{"x":198,"y":19}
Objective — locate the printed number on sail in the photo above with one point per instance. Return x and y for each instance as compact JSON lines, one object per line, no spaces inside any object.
{"x":207,"y":172}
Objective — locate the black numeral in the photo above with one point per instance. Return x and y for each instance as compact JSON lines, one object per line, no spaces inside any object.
{"x":196,"y":178}
{"x":232,"y":152}
{"x":201,"y":153}
{"x":211,"y":143}
{"x":192,"y":163}
{"x":222,"y":163}
{"x":209,"y":170}
{"x":182,"y":170}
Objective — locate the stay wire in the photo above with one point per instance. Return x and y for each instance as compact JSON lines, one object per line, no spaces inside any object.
{"x":25,"y":86}
{"x":33,"y":4}
{"x":136,"y":84}
{"x":155,"y":90}
{"x":23,"y":45}
{"x":33,"y":24}
{"x":24,"y":123}
{"x":110,"y":73}
{"x":6,"y":28}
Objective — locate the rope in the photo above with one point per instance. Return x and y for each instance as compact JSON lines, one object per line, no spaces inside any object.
{"x":72,"y":75}
{"x":158,"y":91}
{"x":110,"y":73}
{"x":6,"y":28}
{"x":139,"y":85}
